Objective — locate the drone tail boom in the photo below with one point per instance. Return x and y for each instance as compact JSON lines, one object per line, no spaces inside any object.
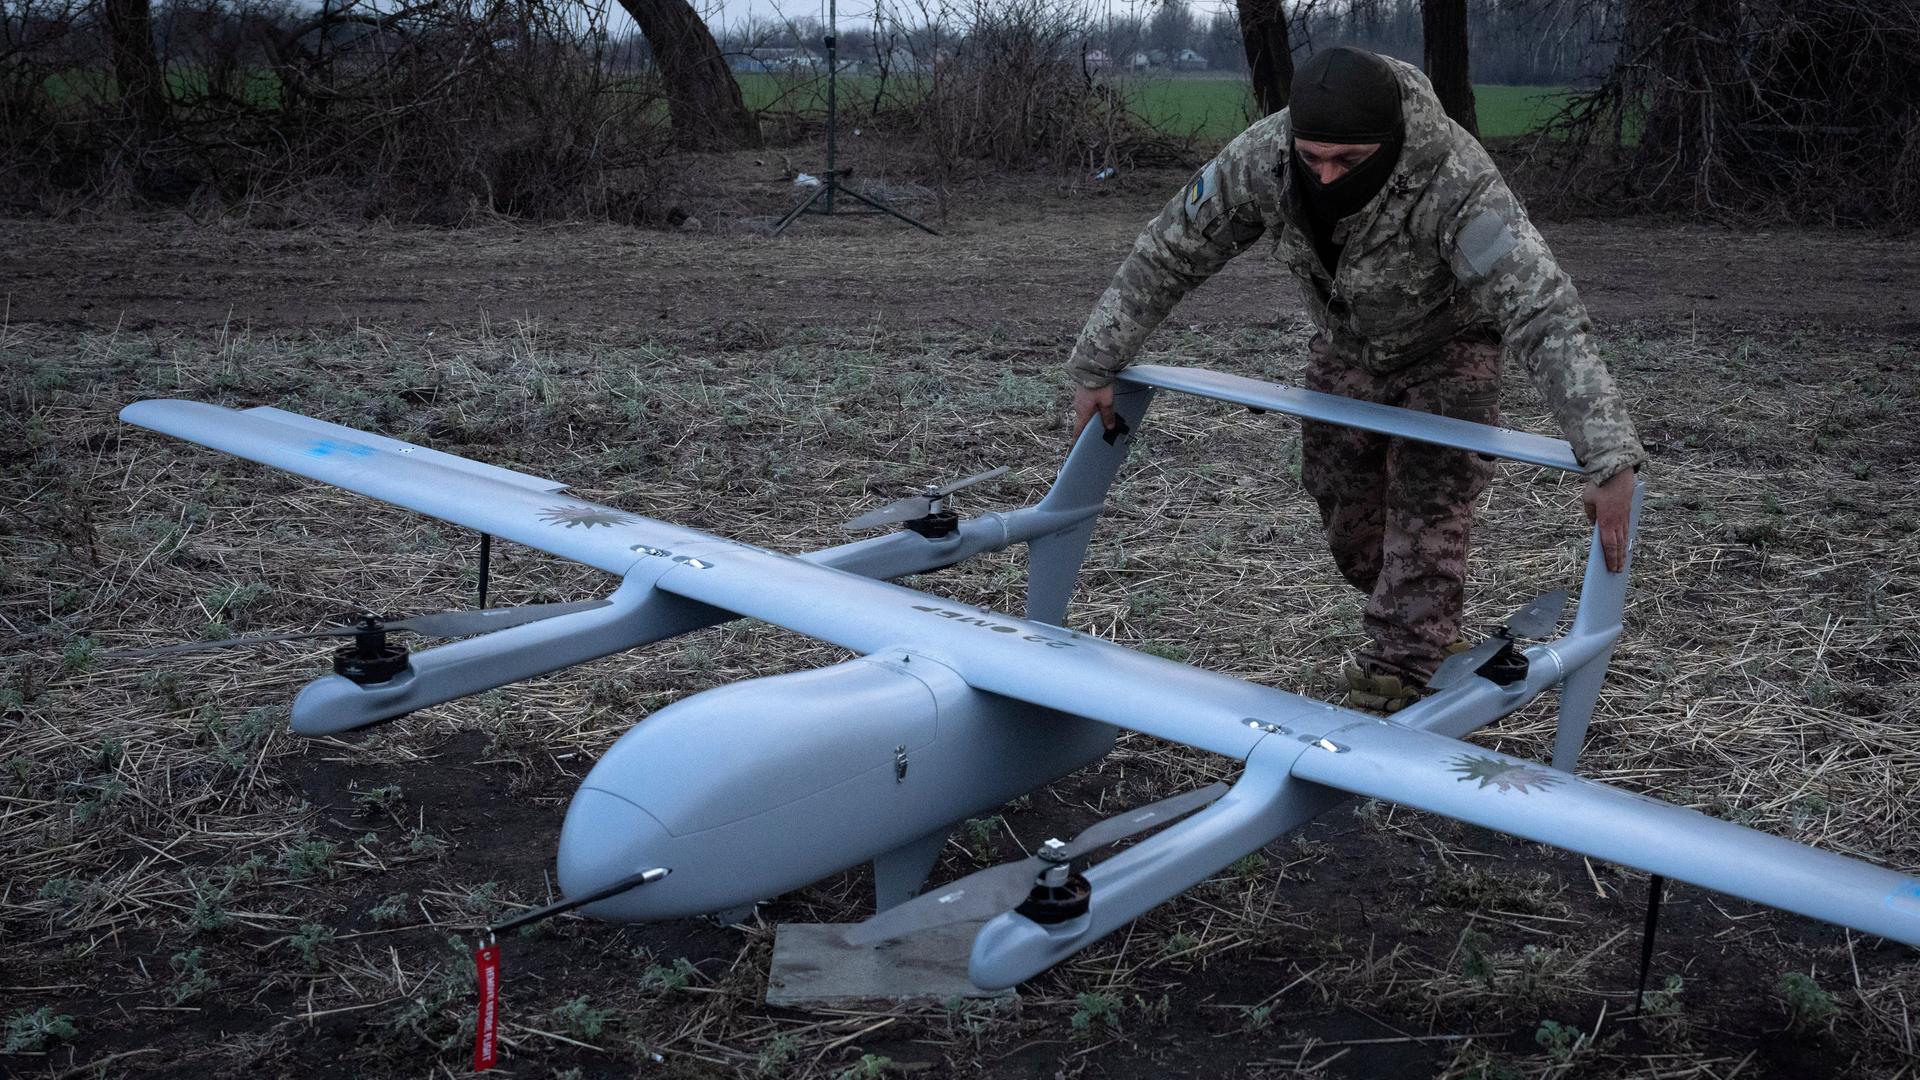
{"x":1077,"y":497}
{"x":1432,"y":772}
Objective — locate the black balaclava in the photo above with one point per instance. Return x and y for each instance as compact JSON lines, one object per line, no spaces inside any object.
{"x":1346,"y":96}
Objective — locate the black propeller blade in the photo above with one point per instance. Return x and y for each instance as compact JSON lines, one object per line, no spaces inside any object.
{"x":202,"y":646}
{"x":914,"y":507}
{"x":1537,"y":620}
{"x":996,"y":889}
{"x":1540,"y":618}
{"x":1461,"y":665}
{"x":438,"y":624}
{"x":459,"y":623}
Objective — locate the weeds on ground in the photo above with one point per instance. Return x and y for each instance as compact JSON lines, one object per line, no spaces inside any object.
{"x":309,"y":857}
{"x":1095,"y":1014}
{"x":579,"y":1018}
{"x":209,"y":913}
{"x":869,"y":1067}
{"x":980,"y":833}
{"x":191,"y":980}
{"x":385,"y":799}
{"x":1561,"y":1042}
{"x":665,"y":979}
{"x":309,"y":944}
{"x":32,"y":1032}
{"x":392,"y":910}
{"x":1809,"y":1006}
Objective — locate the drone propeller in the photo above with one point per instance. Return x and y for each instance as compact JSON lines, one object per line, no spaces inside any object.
{"x":438,"y":624}
{"x":999,"y":888}
{"x":1537,"y":620}
{"x":1540,"y":618}
{"x":915,"y":507}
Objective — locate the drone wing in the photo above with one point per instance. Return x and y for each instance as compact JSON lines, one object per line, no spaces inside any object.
{"x":1432,"y":772}
{"x":1018,"y":658}
{"x":1085,"y":676}
{"x":512,"y":505}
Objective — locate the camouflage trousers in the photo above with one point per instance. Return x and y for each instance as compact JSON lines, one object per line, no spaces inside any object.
{"x":1396,"y":512}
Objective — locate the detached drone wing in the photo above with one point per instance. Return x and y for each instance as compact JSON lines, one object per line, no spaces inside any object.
{"x":515,"y":506}
{"x":1446,"y":776}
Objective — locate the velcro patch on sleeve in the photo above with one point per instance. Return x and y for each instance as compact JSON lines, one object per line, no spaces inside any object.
{"x":1201,"y":190}
{"x":1485,"y":240}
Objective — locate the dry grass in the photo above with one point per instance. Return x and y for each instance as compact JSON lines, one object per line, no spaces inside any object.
{"x":157,"y":821}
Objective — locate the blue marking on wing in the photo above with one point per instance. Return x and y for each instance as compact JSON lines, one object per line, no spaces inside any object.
{"x":329,"y":447}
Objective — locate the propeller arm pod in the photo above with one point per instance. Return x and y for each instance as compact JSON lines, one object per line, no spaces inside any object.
{"x":1263,"y":805}
{"x":634,"y":614}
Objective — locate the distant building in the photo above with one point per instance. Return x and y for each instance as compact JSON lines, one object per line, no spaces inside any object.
{"x":1097,"y":59}
{"x":901,"y":60}
{"x":777,"y":60}
{"x":1188,"y":60}
{"x":1140,"y":61}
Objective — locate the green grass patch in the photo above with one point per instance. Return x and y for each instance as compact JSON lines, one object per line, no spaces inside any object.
{"x":1218,"y":109}
{"x":1210,"y":109}
{"x":1214,"y":110}
{"x":186,"y":84}
{"x":1516,"y":110}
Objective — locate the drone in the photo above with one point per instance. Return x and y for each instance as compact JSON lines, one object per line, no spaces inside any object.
{"x":755,"y":788}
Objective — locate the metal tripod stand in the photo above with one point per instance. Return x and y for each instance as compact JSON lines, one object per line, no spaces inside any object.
{"x":830,"y":184}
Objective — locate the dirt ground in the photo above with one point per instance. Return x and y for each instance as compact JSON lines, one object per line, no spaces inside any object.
{"x":199,"y":893}
{"x":1007,"y":260}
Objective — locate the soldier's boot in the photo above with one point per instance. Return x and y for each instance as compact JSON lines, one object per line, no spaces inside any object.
{"x":1386,"y":693}
{"x":1379,"y":693}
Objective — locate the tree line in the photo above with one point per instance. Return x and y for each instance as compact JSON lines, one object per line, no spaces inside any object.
{"x":1785,"y":107}
{"x":1512,"y":42}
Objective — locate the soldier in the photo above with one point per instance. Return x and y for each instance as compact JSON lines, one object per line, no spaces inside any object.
{"x":1417,"y":265}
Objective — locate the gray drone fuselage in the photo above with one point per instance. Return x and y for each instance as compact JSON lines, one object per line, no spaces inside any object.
{"x":756,"y":788}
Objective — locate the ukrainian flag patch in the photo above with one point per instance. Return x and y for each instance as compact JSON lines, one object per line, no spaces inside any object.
{"x":1201,"y":189}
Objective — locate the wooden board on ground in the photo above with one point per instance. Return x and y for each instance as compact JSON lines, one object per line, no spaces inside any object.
{"x":813,"y":967}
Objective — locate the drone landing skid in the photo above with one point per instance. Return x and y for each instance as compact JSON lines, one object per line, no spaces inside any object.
{"x":898,"y":874}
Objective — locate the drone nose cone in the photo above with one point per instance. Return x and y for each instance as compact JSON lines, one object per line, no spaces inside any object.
{"x":607,"y":839}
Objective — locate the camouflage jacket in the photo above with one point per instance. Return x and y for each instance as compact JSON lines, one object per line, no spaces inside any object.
{"x":1444,"y":249}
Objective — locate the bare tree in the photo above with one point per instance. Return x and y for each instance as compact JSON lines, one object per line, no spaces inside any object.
{"x":1220,"y":41}
{"x":136,"y":68}
{"x":702,"y":97}
{"x":1755,"y":109}
{"x":1444,"y":28}
{"x":1263,"y":27}
{"x":1171,"y":27}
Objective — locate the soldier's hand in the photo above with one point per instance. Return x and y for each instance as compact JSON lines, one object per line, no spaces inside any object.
{"x":1088,"y":402}
{"x":1609,"y":505}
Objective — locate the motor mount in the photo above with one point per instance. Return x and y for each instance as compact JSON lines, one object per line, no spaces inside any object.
{"x":1049,"y":905}
{"x":1061,"y":893}
{"x":1506,"y":667}
{"x":371,"y":658}
{"x":939,"y":524}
